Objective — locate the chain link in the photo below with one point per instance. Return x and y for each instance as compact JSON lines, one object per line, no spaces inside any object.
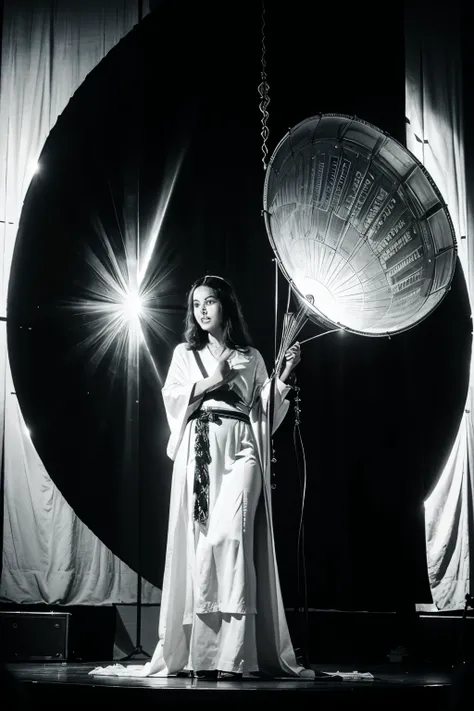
{"x":263,"y":90}
{"x":297,"y":404}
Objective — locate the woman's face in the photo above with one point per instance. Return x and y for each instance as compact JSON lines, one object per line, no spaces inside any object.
{"x":207,"y":309}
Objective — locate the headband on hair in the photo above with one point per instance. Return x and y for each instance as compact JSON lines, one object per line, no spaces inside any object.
{"x":210,"y":276}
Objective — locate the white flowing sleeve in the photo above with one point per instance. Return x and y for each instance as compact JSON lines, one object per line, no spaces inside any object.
{"x":176,"y":393}
{"x":263,"y":385}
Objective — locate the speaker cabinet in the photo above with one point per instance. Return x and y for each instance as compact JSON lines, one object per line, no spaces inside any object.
{"x":34,"y":636}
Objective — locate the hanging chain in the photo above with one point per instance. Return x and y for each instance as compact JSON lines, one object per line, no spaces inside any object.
{"x":297,"y":401}
{"x":297,"y":411}
{"x":263,"y":90}
{"x":273,"y":461}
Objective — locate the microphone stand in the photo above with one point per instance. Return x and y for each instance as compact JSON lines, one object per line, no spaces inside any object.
{"x":469,"y":602}
{"x":138,"y":650}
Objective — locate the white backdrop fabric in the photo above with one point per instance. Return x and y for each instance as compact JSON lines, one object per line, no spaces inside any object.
{"x":49,"y":554}
{"x":435,"y":134}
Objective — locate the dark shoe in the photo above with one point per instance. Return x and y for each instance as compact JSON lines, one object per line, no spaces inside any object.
{"x":206,"y":674}
{"x":229,"y":676}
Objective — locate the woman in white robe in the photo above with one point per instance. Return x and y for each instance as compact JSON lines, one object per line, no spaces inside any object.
{"x":221,"y":612}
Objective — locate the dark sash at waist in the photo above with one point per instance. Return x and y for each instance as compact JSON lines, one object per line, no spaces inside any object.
{"x":214,"y":414}
{"x":202,"y":455}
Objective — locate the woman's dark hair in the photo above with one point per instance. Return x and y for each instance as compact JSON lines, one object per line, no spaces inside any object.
{"x":235,"y":332}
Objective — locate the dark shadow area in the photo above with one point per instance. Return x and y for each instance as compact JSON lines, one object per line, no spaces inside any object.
{"x":14,"y":694}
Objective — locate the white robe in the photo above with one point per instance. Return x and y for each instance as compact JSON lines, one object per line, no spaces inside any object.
{"x":220,"y":575}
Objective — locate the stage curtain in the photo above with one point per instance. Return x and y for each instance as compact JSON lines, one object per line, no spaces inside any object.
{"x":48,"y":49}
{"x":435,"y":101}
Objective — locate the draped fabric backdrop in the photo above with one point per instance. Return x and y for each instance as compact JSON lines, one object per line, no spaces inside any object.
{"x":49,"y":555}
{"x":435,"y":93}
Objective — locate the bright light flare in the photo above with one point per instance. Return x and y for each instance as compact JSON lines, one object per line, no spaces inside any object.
{"x":114,"y":315}
{"x":132,"y":306}
{"x":117,"y":309}
{"x":122,"y":300}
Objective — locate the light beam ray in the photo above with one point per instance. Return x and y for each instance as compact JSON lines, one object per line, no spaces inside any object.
{"x":160,"y":215}
{"x":125,"y":293}
{"x":114,"y":313}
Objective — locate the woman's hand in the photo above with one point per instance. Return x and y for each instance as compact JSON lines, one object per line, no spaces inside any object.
{"x":223,"y":372}
{"x":292,"y":358}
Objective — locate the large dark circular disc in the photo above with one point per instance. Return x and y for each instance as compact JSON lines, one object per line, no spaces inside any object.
{"x":139,"y":151}
{"x":379,"y":415}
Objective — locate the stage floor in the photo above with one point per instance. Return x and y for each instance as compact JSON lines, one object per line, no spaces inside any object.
{"x":54,"y":685}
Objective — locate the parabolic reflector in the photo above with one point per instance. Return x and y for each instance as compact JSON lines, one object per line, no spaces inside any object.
{"x":358,"y":226}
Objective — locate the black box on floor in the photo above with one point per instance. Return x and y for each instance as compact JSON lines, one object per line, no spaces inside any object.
{"x":91,"y":629}
{"x":34,"y":636}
